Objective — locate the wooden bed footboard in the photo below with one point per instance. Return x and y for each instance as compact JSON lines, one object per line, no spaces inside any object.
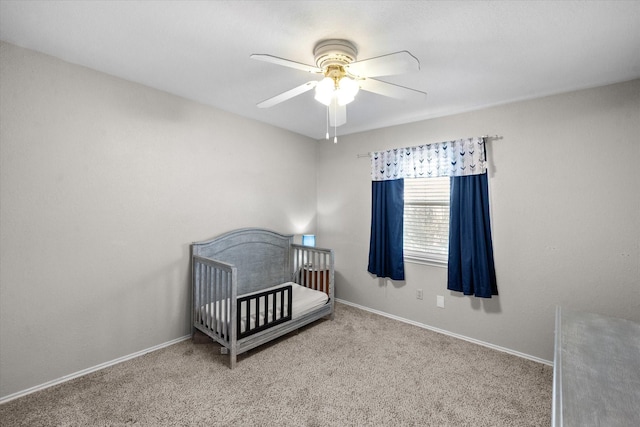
{"x":213,"y":289}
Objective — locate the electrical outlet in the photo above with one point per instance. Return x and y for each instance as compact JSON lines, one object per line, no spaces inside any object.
{"x":419,"y":293}
{"x":440,"y":301}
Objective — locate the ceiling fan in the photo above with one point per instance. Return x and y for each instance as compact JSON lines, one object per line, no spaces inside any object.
{"x":344,"y":75}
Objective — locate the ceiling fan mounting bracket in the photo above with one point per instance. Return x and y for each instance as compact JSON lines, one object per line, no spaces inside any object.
{"x":334,"y":52}
{"x":335,"y":72}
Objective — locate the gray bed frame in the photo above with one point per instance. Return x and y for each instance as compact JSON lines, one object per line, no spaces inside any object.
{"x":250,"y":260}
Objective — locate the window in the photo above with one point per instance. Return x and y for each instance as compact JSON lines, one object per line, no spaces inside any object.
{"x":426,"y":219}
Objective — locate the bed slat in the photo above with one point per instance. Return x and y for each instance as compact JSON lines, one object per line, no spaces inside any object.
{"x":261,"y":305}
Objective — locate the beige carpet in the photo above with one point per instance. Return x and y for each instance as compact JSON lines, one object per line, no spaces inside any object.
{"x":360,"y":369}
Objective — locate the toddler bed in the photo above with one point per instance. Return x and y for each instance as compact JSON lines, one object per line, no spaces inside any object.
{"x":253,"y":285}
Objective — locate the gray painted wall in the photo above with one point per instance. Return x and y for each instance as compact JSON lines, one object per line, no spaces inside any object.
{"x":104,"y":184}
{"x":565,"y":205}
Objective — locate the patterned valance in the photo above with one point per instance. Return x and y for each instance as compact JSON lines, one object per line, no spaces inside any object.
{"x":450,"y":158}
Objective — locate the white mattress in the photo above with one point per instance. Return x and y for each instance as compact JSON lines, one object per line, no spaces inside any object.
{"x":304,"y":300}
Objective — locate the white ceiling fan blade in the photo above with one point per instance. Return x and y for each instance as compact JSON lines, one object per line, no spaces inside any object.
{"x":385,"y":65}
{"x":337,"y":114}
{"x":285,"y":62}
{"x":287,"y":95}
{"x":391,"y":90}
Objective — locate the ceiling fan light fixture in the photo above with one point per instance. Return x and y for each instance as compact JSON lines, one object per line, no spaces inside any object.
{"x":344,"y":92}
{"x":347,"y":90}
{"x":324,"y":91}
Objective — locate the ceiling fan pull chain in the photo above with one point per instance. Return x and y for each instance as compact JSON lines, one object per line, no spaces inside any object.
{"x":327,"y":135}
{"x":335,"y":121}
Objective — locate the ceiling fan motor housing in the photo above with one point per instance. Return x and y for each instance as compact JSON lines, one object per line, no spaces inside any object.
{"x":334,"y":52}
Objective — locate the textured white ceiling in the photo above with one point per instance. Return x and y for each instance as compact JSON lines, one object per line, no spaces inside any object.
{"x":472,"y":54}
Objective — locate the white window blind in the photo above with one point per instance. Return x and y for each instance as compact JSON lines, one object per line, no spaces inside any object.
{"x":426,"y":219}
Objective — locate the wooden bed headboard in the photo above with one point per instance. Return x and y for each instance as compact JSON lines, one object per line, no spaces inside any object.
{"x":262,"y":257}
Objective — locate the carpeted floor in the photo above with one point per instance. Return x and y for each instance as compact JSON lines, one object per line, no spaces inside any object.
{"x":360,"y":369}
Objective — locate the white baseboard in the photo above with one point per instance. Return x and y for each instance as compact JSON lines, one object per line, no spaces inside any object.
{"x":451,"y":334}
{"x":66,"y":378}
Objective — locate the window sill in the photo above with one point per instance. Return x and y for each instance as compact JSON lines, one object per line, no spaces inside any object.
{"x":423,"y":261}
